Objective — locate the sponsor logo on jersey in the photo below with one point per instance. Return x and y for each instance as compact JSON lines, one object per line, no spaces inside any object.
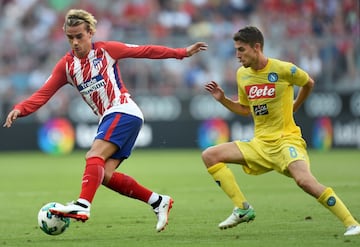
{"x":260,"y":91}
{"x":91,"y":85}
{"x":260,"y":110}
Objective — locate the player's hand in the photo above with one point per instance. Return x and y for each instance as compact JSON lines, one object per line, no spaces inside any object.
{"x":216,"y":91}
{"x":11,"y":117}
{"x":195,"y":48}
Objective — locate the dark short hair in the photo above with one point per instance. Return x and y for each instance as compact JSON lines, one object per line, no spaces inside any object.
{"x":250,"y":35}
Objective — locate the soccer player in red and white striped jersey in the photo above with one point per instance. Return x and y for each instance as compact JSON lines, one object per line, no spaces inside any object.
{"x":92,"y":68}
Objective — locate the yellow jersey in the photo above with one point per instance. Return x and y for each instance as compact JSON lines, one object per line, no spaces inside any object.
{"x":269,"y":93}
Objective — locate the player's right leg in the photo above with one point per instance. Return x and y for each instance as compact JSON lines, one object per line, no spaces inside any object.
{"x":74,"y":210}
{"x":214,"y":159}
{"x":101,"y":149}
{"x":92,"y":178}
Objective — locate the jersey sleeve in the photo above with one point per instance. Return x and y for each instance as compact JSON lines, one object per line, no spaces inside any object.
{"x":56,"y":80}
{"x":120,"y":50}
{"x":296,"y":75}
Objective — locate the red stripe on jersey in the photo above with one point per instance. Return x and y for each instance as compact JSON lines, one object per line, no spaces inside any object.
{"x":109,"y":87}
{"x":97,"y":100}
{"x":112,"y":127}
{"x":103,"y":63}
{"x":85,"y":67}
{"x":110,"y":93}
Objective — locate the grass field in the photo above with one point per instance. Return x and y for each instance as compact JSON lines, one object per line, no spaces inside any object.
{"x":29,"y":180}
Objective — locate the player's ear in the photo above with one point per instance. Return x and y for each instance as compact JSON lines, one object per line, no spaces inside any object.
{"x":257,"y":47}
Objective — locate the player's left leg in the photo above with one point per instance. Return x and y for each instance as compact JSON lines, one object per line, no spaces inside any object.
{"x":128,"y":186}
{"x":302,"y":175}
{"x":124,"y":135}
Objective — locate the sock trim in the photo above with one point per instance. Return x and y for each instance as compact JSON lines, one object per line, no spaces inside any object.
{"x":216,"y":167}
{"x":325,"y":194}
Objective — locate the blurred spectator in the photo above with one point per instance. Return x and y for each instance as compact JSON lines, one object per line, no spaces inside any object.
{"x":310,"y":61}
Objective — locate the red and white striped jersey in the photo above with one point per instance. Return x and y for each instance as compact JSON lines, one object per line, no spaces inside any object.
{"x":97,"y":77}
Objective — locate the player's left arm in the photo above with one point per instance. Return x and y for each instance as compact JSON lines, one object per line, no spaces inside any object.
{"x":120,"y":50}
{"x":303,"y":93}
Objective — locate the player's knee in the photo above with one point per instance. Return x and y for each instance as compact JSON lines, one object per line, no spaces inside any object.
{"x":209,"y":157}
{"x":91,"y":153}
{"x":107,"y":176}
{"x":205,"y":155}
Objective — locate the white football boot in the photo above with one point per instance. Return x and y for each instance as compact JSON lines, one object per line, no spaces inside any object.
{"x":238,"y":216}
{"x":162,"y":212}
{"x":352,"y":230}
{"x":74,"y":210}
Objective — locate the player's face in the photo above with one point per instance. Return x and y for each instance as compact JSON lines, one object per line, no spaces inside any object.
{"x":247,"y":55}
{"x":80,"y":40}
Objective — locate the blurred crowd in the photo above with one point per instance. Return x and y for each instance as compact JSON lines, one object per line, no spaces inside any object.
{"x":321,"y":36}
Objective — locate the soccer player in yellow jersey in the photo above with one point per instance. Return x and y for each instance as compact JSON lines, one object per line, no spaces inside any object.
{"x":266,"y":91}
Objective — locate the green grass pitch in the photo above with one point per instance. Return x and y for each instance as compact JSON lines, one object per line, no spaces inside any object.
{"x":286,"y":216}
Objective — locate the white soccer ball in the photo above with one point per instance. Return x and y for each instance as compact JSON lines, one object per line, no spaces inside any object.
{"x":49,"y":223}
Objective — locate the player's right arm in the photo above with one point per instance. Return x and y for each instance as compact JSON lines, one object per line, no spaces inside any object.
{"x":56,"y":80}
{"x":218,"y":93}
{"x":11,"y":117}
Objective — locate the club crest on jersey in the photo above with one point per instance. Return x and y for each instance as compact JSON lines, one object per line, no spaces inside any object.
{"x":97,"y":63}
{"x":273,"y":77}
{"x":260,"y":91}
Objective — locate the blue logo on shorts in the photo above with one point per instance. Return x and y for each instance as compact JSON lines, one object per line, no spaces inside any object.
{"x":331,"y":201}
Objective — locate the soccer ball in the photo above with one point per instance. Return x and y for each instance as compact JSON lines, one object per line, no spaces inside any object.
{"x":49,"y":223}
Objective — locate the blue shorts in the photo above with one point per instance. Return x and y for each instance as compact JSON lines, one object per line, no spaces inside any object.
{"x":120,"y":129}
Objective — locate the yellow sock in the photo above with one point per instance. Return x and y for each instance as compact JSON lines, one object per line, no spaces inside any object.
{"x":330,"y":200}
{"x":224,"y":177}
